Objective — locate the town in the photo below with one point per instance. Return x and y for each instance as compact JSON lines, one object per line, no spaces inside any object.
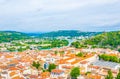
{"x":59,"y":39}
{"x":59,"y":63}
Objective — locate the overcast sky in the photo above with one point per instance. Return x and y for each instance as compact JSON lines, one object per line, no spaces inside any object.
{"x":51,"y":15}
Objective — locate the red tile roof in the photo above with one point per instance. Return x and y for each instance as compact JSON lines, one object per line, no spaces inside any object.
{"x":58,"y":71}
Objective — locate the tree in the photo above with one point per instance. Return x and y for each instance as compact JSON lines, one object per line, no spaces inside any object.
{"x":56,"y":52}
{"x":119,"y":49}
{"x":62,"y":53}
{"x":51,"y":67}
{"x":80,"y":54}
{"x":118,"y":75}
{"x":75,"y":44}
{"x":109,"y":58}
{"x":75,"y":72}
{"x":109,"y":76}
{"x":114,"y":59}
{"x":87,"y":73}
{"x":36,"y":64}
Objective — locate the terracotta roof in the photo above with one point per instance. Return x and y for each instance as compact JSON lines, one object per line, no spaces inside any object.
{"x":95,"y":67}
{"x":3,"y":67}
{"x":14,"y":61}
{"x":94,"y":76}
{"x":84,"y":62}
{"x":20,"y":66}
{"x":62,"y":61}
{"x":67,"y":67}
{"x":17,"y":77}
{"x":58,"y":71}
{"x":13,"y":68}
{"x":68,"y":59}
{"x":12,"y":74}
{"x":33,"y":76}
{"x":45,"y":74}
{"x":75,"y":62}
{"x":8,"y":56}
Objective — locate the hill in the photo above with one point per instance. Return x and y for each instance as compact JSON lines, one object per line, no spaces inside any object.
{"x":71,"y":33}
{"x":7,"y":36}
{"x":104,"y":40}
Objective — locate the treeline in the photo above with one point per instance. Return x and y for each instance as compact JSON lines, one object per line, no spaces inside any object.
{"x":54,"y":43}
{"x":42,"y":44}
{"x":106,"y":57}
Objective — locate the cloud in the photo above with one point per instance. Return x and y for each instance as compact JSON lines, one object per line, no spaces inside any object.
{"x":45,"y":15}
{"x":23,"y":6}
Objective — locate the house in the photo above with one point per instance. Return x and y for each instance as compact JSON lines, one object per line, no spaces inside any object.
{"x":30,"y":71}
{"x":85,"y":65}
{"x":4,"y":74}
{"x":107,"y":64}
{"x":45,"y":75}
{"x":93,"y":76}
{"x":55,"y":73}
{"x":94,"y":69}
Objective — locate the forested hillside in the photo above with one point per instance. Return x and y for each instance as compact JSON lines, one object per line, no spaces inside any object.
{"x":7,"y":36}
{"x":71,"y":33}
{"x":104,"y":40}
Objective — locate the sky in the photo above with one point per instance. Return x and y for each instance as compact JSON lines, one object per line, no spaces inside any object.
{"x":52,"y":15}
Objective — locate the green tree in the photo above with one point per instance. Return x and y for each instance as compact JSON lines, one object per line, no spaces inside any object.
{"x":110,"y":75}
{"x":87,"y":73}
{"x":75,"y":72}
{"x":36,"y":64}
{"x":62,"y":53}
{"x":118,"y":75}
{"x":51,"y":67}
{"x":56,"y":52}
{"x":75,"y":44}
{"x":119,"y":49}
{"x":109,"y":58}
{"x":114,"y":59}
{"x":80,"y":54}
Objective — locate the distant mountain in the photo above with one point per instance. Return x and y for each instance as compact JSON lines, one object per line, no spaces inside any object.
{"x":34,"y":34}
{"x":7,"y":36}
{"x":72,"y":33}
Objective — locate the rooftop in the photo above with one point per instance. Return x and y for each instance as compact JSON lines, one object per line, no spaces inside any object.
{"x":58,"y":71}
{"x":105,"y":64}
